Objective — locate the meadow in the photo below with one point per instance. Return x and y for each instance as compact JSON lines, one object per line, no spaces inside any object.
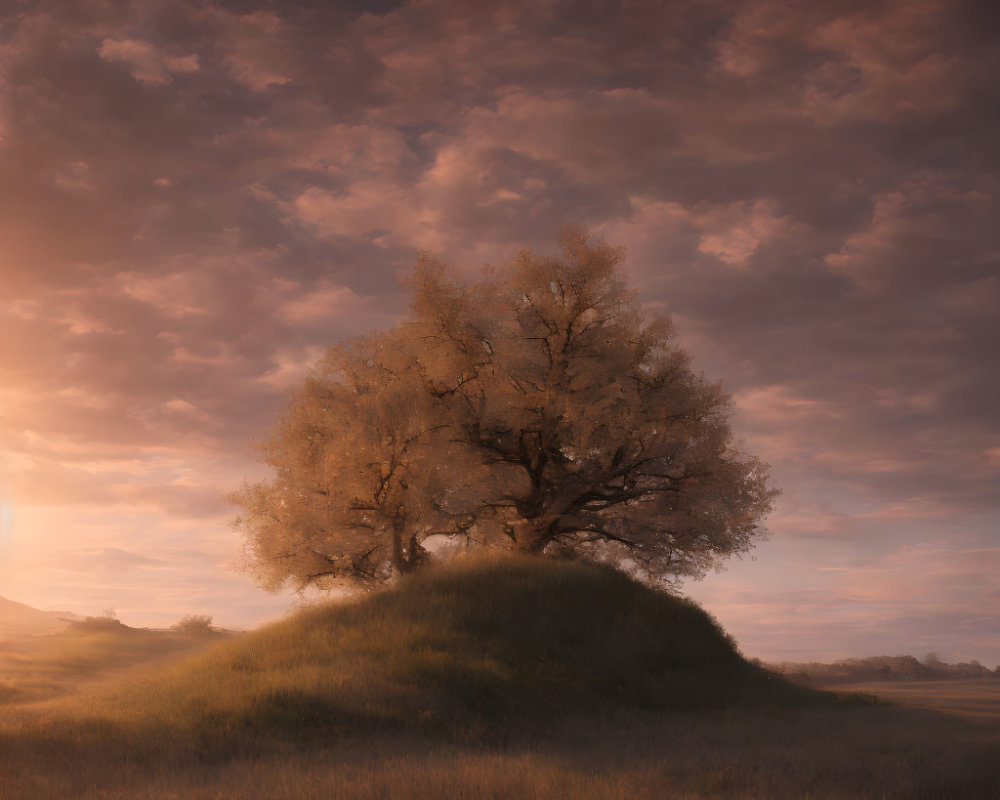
{"x":499,"y":679}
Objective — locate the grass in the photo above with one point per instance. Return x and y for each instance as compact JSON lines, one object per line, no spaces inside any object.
{"x":502,"y":678}
{"x":974,"y":699}
{"x":41,"y":667}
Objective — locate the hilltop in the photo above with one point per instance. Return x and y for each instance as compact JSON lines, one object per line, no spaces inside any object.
{"x":478,"y":679}
{"x":467,"y":651}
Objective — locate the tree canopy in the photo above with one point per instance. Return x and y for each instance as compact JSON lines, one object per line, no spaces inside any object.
{"x":537,"y":409}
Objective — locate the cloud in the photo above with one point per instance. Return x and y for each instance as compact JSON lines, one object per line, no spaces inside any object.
{"x":146,"y":63}
{"x":200,"y":197}
{"x":922,"y":234}
{"x":257,"y":53}
{"x":912,"y":599}
{"x":112,"y":559}
{"x":875,"y":63}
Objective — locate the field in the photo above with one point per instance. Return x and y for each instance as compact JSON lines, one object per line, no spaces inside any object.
{"x":975,"y":700}
{"x":459,"y":686}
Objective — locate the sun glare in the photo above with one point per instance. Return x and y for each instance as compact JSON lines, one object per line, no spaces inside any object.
{"x":6,"y":522}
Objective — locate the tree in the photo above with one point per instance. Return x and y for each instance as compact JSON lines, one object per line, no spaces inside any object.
{"x":538,"y":409}
{"x":360,"y":478}
{"x":602,"y":442}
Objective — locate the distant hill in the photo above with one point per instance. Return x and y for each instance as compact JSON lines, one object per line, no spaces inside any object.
{"x":881,"y":668}
{"x":18,"y":619}
{"x":467,"y":650}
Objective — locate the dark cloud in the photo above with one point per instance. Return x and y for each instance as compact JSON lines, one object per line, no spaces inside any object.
{"x":198,"y":197}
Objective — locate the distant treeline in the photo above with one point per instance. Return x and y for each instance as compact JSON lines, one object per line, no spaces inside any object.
{"x":191,"y":625}
{"x":882,"y":668}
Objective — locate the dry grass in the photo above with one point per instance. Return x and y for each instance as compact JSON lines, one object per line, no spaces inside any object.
{"x":496,"y":681}
{"x":842,"y":753}
{"x":976,"y":700}
{"x":36,"y":668}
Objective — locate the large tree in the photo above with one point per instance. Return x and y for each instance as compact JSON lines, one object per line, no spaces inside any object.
{"x":538,"y":409}
{"x":602,"y":441}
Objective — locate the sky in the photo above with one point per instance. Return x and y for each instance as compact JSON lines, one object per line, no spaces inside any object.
{"x":196,"y":198}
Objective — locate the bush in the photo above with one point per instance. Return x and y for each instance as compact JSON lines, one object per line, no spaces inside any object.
{"x":194,"y":625}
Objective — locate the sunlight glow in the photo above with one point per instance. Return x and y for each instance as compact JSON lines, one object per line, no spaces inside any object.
{"x":6,"y":522}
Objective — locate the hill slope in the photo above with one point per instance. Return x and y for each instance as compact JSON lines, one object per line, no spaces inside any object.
{"x":473,"y":650}
{"x":486,"y":680}
{"x":18,"y":619}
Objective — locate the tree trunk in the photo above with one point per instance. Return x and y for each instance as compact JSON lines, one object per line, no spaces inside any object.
{"x":530,"y":536}
{"x":399,"y":561}
{"x":414,"y":555}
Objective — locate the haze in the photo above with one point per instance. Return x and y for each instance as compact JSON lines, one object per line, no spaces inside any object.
{"x":199,"y":197}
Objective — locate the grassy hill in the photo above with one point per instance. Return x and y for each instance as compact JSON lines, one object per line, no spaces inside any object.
{"x":484,"y":680}
{"x":476,"y":651}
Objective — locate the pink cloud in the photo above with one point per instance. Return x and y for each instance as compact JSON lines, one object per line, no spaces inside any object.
{"x":872,"y":63}
{"x":733,"y":233}
{"x":809,"y":189}
{"x":902,"y":221}
{"x":256,"y":54}
{"x":881,"y":57}
{"x":905,"y":602}
{"x":147,"y":63}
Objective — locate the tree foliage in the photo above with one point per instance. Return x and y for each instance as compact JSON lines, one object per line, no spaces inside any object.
{"x":538,"y":409}
{"x":363,"y":472}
